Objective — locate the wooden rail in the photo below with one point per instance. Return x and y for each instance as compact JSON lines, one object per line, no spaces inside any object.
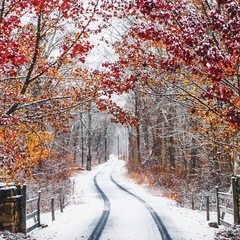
{"x":30,"y":210}
{"x":230,"y":207}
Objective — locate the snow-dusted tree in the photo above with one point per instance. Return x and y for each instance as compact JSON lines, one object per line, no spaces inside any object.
{"x":43,"y":46}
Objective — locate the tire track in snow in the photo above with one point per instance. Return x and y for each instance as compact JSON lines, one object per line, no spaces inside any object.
{"x":161,"y":228}
{"x":95,"y":235}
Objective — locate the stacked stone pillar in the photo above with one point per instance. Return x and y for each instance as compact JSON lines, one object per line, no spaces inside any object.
{"x":10,"y":209}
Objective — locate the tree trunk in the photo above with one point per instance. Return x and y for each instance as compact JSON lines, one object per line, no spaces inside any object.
{"x":138,"y":129}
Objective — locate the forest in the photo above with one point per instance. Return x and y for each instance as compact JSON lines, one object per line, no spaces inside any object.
{"x":155,"y":82}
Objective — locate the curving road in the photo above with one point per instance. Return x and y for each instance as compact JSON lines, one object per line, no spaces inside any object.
{"x":106,"y":205}
{"x":124,"y":214}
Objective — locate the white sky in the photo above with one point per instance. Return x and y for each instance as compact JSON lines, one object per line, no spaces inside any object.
{"x":77,"y":219}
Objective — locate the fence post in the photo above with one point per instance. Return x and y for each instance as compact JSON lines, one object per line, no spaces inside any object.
{"x":38,"y":208}
{"x":24,"y":209}
{"x":235,"y":201}
{"x":52,"y":209}
{"x":238,"y":197}
{"x":217,"y":203}
{"x":192,"y":199}
{"x":201,"y":203}
{"x":63,"y":196}
{"x":207,"y":208}
{"x":61,"y":199}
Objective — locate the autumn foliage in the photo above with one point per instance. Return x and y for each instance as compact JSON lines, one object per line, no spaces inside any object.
{"x":42,"y":46}
{"x":191,"y":45}
{"x":43,"y":77}
{"x":176,"y":56}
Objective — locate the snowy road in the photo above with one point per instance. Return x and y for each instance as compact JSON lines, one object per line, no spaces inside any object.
{"x":128,"y":218}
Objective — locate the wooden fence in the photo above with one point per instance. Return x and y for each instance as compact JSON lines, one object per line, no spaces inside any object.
{"x":23,"y":212}
{"x":30,"y":211}
{"x":227,"y":203}
{"x":61,"y":202}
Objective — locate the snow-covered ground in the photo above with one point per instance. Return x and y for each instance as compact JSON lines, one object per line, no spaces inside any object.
{"x":74,"y":222}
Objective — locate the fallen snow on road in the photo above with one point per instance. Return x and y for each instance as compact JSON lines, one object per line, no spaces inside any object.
{"x":77,"y":218}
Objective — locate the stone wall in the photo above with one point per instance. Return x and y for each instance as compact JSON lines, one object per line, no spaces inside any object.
{"x":10,"y":209}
